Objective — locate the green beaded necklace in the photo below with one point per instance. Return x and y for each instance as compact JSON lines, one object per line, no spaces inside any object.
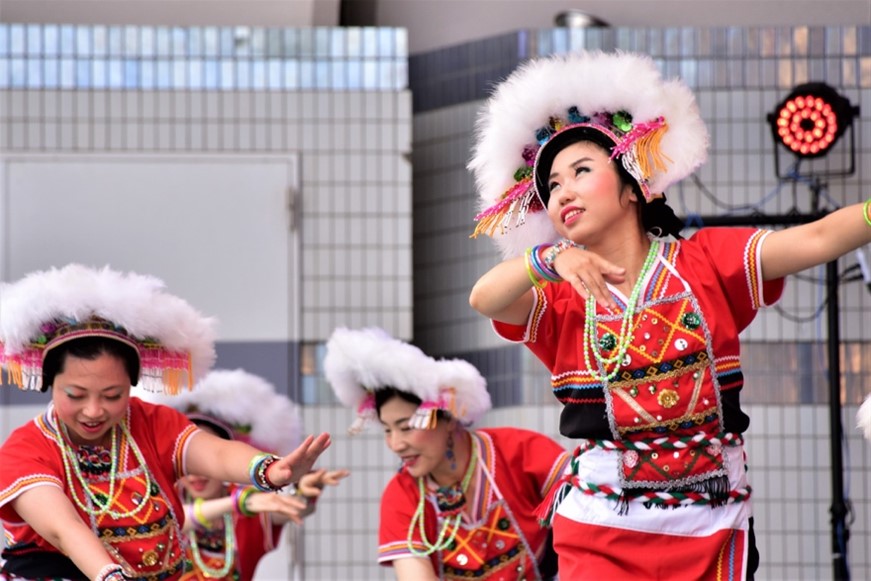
{"x":229,"y":544}
{"x":418,"y":518}
{"x":103,"y":506}
{"x":591,"y":342}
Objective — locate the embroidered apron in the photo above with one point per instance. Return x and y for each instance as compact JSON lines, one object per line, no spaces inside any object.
{"x":665,"y":391}
{"x":147,"y":543}
{"x":494,"y":548}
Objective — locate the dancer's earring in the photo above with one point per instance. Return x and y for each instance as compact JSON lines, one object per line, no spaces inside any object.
{"x":449,"y":453}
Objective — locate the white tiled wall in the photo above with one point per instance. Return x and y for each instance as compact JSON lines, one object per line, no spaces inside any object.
{"x":354,"y":206}
{"x":353,"y":211}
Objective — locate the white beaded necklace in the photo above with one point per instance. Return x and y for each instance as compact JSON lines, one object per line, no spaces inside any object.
{"x":69,"y":458}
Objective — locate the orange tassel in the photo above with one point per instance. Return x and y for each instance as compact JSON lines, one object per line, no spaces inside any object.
{"x":14,"y":374}
{"x":487,"y":225}
{"x":649,"y":153}
{"x":191,"y":379}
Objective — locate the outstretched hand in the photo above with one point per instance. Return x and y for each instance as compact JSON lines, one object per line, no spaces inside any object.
{"x":291,"y":468}
{"x":312,"y":484}
{"x":588,"y":274}
{"x":291,"y":507}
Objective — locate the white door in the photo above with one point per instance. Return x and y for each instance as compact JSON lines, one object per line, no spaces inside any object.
{"x":219,"y":230}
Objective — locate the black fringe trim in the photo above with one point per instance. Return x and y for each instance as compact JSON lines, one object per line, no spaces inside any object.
{"x":717,"y":489}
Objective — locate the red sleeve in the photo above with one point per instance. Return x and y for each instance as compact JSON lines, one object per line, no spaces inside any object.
{"x":540,"y":458}
{"x":29,"y":459}
{"x":167,"y":431}
{"x":735,"y":254}
{"x":544,"y":460}
{"x":398,"y":506}
{"x":554,"y":308}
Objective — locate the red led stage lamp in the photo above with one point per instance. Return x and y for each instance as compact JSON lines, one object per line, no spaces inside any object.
{"x":811,"y":119}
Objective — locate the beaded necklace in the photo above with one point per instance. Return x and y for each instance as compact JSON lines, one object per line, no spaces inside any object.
{"x":103,"y":506}
{"x":229,"y":543}
{"x":622,"y":344}
{"x":418,"y":518}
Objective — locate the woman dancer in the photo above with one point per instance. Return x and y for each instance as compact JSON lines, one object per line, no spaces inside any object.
{"x":87,"y":488}
{"x":231,"y":527}
{"x":640,"y":334}
{"x":462,"y":505}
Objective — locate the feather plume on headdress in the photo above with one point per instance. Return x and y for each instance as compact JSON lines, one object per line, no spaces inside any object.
{"x":359,"y":362}
{"x":659,"y":135}
{"x":246,"y":403}
{"x":863,"y":418}
{"x":44,"y":309}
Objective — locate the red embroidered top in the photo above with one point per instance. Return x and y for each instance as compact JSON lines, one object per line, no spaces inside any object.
{"x":254,"y":536}
{"x":505,"y":539}
{"x":680,"y":376}
{"x":148,"y":541}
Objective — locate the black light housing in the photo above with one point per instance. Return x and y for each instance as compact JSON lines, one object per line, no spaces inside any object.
{"x":810,"y":120}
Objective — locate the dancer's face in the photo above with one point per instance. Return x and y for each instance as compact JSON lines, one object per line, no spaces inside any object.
{"x":203,"y":486}
{"x":421,"y":451}
{"x":91,"y":396}
{"x":587,"y":197}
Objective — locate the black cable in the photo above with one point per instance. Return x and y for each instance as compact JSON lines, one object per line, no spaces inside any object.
{"x":808,"y":318}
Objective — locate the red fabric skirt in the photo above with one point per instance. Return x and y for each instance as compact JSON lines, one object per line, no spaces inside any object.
{"x":593,"y":552}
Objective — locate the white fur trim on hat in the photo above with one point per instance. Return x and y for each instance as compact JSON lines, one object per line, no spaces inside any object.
{"x":863,"y":418}
{"x":594,"y":83}
{"x":151,"y":317}
{"x":247,"y":403}
{"x":359,"y":362}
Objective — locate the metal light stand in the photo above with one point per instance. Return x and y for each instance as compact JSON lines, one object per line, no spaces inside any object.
{"x":839,"y":509}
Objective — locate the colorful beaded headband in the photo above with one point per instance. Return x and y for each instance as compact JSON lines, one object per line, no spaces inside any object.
{"x":243,"y":404}
{"x":360,"y":362}
{"x":49,"y":308}
{"x":654,"y":125}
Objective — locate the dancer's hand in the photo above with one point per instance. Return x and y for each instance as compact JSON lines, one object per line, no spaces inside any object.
{"x":291,"y":507}
{"x":298,"y":463}
{"x":588,"y":272}
{"x":312,"y":484}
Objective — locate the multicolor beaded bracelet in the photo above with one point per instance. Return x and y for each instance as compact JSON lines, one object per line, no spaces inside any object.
{"x":240,"y":497}
{"x":257,"y":472}
{"x":539,"y":273}
{"x":549,"y":256}
{"x":110,"y":572}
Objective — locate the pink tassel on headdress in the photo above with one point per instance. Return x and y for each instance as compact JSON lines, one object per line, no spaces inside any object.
{"x":365,"y":413}
{"x":517,"y":199}
{"x":23,"y":369}
{"x":646,"y":138}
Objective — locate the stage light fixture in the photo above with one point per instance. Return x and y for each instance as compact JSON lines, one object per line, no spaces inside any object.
{"x":808,"y":123}
{"x":811,"y":119}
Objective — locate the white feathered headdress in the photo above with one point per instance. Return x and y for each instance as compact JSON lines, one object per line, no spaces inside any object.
{"x":243,"y":405}
{"x":360,"y":362}
{"x":45,"y":309}
{"x":655,"y":125}
{"x":863,"y":418}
